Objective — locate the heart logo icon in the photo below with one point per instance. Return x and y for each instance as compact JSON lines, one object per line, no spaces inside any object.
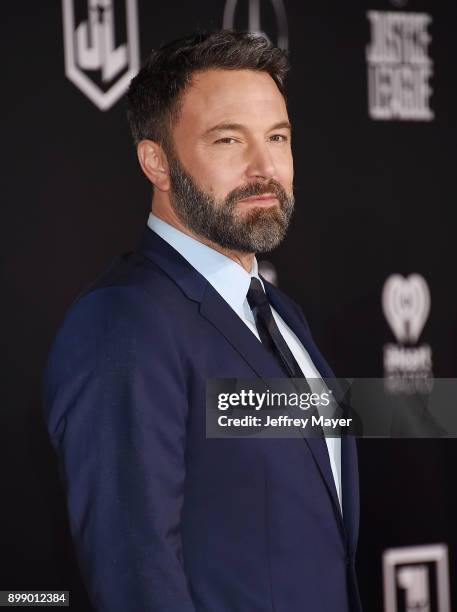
{"x":406,"y":305}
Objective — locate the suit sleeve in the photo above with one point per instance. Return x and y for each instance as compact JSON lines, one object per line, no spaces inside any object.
{"x":116,"y":407}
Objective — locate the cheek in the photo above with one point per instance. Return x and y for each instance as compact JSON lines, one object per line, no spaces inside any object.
{"x":215,"y":177}
{"x":285,"y":168}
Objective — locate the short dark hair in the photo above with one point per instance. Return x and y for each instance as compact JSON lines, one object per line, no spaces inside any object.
{"x":153,"y":98}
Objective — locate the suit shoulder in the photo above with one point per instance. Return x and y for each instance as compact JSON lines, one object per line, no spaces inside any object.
{"x":133,"y":272}
{"x":132,"y":286}
{"x":109,"y":328}
{"x":129,"y":299}
{"x":118,"y":309}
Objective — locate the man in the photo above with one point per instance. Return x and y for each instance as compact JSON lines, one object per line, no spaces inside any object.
{"x":163,"y":518}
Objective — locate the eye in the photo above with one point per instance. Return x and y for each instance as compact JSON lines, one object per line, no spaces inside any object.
{"x":227,"y":140}
{"x":279,"y":138}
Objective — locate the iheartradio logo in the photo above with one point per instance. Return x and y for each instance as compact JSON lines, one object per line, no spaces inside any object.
{"x":406,"y":305}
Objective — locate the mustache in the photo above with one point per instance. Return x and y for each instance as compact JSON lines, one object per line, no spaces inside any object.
{"x":256,"y":189}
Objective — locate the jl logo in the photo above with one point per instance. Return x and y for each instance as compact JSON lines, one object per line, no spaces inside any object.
{"x":91,"y":50}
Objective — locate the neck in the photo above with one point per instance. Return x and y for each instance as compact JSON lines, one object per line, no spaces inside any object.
{"x":245,"y":260}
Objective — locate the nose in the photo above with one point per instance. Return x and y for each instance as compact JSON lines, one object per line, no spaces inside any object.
{"x":261,"y":164}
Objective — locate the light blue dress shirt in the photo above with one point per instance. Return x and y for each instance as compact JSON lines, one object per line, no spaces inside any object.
{"x":232,"y":282}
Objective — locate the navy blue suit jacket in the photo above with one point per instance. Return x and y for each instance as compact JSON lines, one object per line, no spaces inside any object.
{"x":164,"y":519}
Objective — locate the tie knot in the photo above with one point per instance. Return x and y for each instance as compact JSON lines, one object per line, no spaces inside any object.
{"x":256,"y":295}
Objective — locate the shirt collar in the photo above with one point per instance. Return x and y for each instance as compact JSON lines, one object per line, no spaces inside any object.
{"x":227,"y":277}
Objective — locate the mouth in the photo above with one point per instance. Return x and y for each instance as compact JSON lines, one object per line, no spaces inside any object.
{"x":266,"y":199}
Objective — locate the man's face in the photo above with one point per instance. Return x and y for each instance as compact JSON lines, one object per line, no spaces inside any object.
{"x":231,"y":166}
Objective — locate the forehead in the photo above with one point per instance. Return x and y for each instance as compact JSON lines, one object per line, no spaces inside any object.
{"x":241,"y":96}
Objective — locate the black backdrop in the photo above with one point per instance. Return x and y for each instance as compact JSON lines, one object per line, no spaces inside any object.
{"x":374,"y":198}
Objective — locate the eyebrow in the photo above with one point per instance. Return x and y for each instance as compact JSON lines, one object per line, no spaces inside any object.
{"x":222,"y":127}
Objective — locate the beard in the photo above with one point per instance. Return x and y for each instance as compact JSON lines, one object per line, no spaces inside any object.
{"x":259,"y":230}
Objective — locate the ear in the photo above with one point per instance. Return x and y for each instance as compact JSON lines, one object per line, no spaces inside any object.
{"x":153,"y":162}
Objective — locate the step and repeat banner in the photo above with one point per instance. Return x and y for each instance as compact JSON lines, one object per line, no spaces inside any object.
{"x":370,"y":256}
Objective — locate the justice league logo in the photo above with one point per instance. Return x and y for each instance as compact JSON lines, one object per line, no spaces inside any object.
{"x":399,"y":66}
{"x":98,"y":64}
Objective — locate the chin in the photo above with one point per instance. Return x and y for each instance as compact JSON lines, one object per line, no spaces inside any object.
{"x":259,"y":210}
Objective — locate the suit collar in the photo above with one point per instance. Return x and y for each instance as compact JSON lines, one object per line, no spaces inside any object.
{"x":212,"y":306}
{"x":227,"y":277}
{"x":175,"y":266}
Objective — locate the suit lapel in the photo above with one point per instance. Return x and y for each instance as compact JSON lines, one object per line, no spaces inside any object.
{"x":292,"y":319}
{"x":317,"y":446}
{"x":214,"y":308}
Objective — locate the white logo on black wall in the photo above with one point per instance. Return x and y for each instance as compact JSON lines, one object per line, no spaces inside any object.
{"x":399,"y":66}
{"x":98,"y":64}
{"x":416,"y":579}
{"x":406,"y":306}
{"x":255,"y":19}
